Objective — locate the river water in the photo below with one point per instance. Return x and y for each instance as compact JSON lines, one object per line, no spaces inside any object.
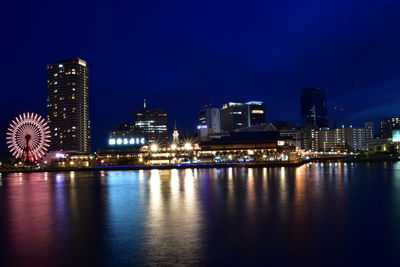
{"x":320,"y":214}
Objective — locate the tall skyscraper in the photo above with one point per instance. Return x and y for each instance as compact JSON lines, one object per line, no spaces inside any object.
{"x":152,"y":123}
{"x":68,"y":105}
{"x":238,"y":115}
{"x":314,"y":108}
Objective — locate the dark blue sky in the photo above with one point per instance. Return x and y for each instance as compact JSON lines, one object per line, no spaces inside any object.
{"x":184,"y":54}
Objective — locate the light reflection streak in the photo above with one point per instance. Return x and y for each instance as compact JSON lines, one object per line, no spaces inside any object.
{"x":174,"y":215}
{"x":251,"y":196}
{"x":72,"y":177}
{"x":174,"y":182}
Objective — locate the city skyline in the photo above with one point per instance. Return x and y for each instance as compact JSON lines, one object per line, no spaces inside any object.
{"x":332,"y":118}
{"x":180,"y":66}
{"x":200,"y":133}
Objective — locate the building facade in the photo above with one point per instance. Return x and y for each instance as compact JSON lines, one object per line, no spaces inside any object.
{"x":313,"y":108}
{"x":255,"y":113}
{"x":68,"y":105}
{"x":239,"y":115}
{"x":284,"y":128}
{"x":342,"y":139}
{"x":210,"y":118}
{"x":388,"y":125}
{"x":152,"y":123}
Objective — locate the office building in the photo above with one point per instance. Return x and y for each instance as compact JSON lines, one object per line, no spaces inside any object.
{"x":209,"y":123}
{"x":314,"y":108}
{"x":68,"y":105}
{"x":388,"y":125}
{"x":210,"y":118}
{"x":255,"y":113}
{"x":239,"y":115}
{"x":152,"y":123}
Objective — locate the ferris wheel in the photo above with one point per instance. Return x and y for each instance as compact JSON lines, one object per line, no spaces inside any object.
{"x":28,"y":137}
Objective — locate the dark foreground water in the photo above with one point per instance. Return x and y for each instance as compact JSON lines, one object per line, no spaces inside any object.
{"x":317,"y":214}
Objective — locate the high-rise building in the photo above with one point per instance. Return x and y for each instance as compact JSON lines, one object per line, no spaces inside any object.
{"x":152,"y":123}
{"x":233,"y":116}
{"x":314,"y":108}
{"x":239,"y":115}
{"x":68,"y":105}
{"x":255,"y":113}
{"x":388,"y":125}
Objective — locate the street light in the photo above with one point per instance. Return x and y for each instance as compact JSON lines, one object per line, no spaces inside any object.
{"x":188,"y":146}
{"x":153,"y":147}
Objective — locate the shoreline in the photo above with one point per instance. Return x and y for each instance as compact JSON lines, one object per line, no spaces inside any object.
{"x":196,"y":165}
{"x":163,"y":167}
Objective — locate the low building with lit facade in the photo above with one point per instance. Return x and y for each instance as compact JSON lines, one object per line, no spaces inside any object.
{"x":152,"y":123}
{"x":250,"y":147}
{"x":238,"y":147}
{"x":284,"y":128}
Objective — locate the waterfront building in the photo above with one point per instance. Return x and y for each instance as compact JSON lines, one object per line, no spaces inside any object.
{"x":152,"y":123}
{"x":68,"y":105}
{"x":313,"y":108}
{"x":125,"y":139}
{"x":239,"y":115}
{"x":388,"y":125}
{"x":284,"y":128}
{"x":238,"y":147}
{"x":341,"y":139}
{"x":250,"y":147}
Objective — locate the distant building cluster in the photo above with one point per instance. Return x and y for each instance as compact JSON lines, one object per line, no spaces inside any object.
{"x":150,"y":126}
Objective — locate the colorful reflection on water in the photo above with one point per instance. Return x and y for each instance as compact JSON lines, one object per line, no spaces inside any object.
{"x":316,"y":214}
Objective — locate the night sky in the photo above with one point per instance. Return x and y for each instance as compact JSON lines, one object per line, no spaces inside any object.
{"x":182,"y":55}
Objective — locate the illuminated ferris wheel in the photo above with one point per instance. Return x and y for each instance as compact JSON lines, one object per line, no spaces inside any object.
{"x":28,"y":137}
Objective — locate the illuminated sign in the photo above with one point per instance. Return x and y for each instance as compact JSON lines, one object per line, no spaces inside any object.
{"x":201,"y":127}
{"x":257,"y":111}
{"x":396,"y":135}
{"x":124,"y":141}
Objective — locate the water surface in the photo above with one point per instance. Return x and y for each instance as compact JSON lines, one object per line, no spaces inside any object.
{"x":314,"y":215}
